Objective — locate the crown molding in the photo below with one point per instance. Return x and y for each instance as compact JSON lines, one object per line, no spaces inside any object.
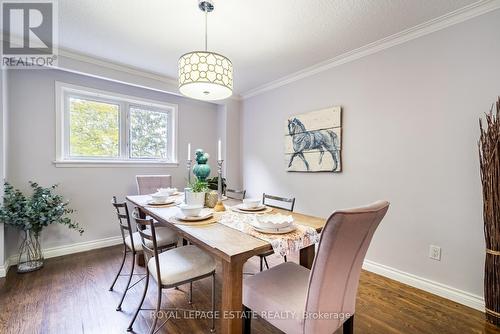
{"x":116,"y":66}
{"x":439,"y":23}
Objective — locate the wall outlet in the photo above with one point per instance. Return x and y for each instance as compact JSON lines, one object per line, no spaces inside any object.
{"x":435,"y":252}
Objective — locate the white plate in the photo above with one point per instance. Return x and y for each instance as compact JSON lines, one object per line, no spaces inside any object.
{"x":243,"y":208}
{"x":283,"y":230}
{"x":204,"y":214}
{"x":153,"y":202}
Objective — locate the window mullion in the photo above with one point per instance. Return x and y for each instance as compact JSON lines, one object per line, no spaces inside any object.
{"x":124,"y":131}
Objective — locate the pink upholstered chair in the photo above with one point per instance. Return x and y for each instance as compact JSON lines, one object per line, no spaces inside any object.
{"x":148,"y":184}
{"x":328,"y":289}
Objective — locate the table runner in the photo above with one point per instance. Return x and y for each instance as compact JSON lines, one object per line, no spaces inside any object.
{"x":283,"y":244}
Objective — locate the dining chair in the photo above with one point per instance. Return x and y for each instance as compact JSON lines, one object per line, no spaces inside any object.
{"x":172,"y":268}
{"x":328,"y":289}
{"x":280,"y":203}
{"x":132,"y":244}
{"x":148,"y":184}
{"x":236,"y":194}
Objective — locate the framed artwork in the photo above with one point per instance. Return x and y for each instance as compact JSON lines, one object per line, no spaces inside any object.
{"x":313,"y":141}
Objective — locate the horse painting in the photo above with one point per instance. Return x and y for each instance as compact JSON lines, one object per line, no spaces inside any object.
{"x":310,"y":142}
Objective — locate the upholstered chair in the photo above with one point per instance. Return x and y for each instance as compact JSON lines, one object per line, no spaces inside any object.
{"x":132,"y":244}
{"x":148,"y":184}
{"x":328,"y":289}
{"x":171,"y":268}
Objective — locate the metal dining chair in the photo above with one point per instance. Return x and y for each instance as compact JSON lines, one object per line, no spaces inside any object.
{"x":132,"y":244}
{"x":236,"y":194}
{"x":172,"y":268}
{"x":280,"y":203}
{"x":148,"y":184}
{"x":328,"y":289}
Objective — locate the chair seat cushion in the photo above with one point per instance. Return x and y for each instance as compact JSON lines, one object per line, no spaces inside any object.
{"x":164,"y":236}
{"x":282,"y":288}
{"x":181,"y":264}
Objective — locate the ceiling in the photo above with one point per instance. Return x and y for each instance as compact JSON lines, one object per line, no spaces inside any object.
{"x":265,"y":39}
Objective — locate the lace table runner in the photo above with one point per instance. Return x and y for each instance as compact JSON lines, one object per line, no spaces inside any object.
{"x":283,"y":244}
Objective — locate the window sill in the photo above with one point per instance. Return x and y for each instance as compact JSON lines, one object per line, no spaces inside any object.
{"x":113,"y":164}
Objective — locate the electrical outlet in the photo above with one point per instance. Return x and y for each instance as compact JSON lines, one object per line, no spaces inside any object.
{"x":435,"y":252}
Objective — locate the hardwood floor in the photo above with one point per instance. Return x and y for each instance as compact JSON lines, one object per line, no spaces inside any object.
{"x":70,"y":295}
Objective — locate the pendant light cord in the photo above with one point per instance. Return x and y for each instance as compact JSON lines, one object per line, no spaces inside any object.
{"x":206,"y":33}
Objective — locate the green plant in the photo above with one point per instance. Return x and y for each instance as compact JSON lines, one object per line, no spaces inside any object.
{"x":43,"y":208}
{"x":213,"y":184}
{"x":198,"y":186}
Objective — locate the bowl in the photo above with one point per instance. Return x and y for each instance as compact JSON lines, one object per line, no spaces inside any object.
{"x":167,"y":191}
{"x":160,"y":198}
{"x":274,"y":221}
{"x":251,"y":203}
{"x":190,"y":210}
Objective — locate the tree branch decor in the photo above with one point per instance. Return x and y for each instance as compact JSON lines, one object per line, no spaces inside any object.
{"x":489,"y":158}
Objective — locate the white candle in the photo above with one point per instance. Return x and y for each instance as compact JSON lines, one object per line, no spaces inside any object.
{"x":189,"y":151}
{"x":219,"y":156}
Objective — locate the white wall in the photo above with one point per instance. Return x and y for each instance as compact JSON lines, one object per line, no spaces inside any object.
{"x":410,"y":131}
{"x":32,"y":151}
{"x":228,"y":124}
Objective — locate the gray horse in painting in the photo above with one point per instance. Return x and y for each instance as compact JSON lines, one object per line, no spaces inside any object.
{"x":303,"y":140}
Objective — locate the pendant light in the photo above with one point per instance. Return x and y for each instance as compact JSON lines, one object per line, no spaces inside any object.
{"x":205,"y":75}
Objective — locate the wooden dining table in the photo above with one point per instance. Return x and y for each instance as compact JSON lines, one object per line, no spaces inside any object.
{"x":230,"y":246}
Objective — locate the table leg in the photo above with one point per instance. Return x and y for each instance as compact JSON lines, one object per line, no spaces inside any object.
{"x":232,"y":297}
{"x":307,"y":256}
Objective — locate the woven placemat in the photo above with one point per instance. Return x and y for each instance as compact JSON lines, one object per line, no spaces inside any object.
{"x":266,"y":210}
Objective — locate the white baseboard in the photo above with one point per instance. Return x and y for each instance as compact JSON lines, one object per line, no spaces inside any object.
{"x":65,"y":250}
{"x":439,"y":289}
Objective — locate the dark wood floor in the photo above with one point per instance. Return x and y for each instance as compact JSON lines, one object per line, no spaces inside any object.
{"x":70,"y":295}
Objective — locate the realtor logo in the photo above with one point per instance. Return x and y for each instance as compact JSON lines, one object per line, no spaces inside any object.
{"x":29,"y":34}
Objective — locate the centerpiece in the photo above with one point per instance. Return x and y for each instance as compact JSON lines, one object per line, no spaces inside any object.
{"x":31,"y":215}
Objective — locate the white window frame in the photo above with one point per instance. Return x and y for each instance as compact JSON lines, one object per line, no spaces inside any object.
{"x":63,"y":159}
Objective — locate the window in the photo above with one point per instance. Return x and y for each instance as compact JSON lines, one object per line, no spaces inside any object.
{"x":96,"y":127}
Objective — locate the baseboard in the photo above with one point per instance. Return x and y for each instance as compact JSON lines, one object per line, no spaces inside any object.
{"x":65,"y":250}
{"x":439,"y":289}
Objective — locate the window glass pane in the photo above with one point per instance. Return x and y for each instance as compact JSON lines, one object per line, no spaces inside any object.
{"x":148,"y":133}
{"x":94,"y":128}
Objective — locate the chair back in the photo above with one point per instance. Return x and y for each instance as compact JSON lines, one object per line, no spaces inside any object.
{"x":148,"y":241}
{"x":148,"y":184}
{"x":124,"y":220}
{"x":236,"y":194}
{"x":278,"y":202}
{"x":334,"y":279}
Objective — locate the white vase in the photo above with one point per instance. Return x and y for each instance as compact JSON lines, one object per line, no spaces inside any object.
{"x":193,"y":198}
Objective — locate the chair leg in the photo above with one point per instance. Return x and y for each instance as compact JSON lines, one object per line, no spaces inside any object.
{"x":212,"y":330}
{"x":190,"y":293}
{"x":261,"y":263}
{"x":120,"y":270}
{"x":247,"y":320}
{"x":119,"y":308}
{"x":285,"y":258}
{"x":265,"y":261}
{"x":348,"y":327}
{"x":129,"y":329}
{"x":157,"y":314}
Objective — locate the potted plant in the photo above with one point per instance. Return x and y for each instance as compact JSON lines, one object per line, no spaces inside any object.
{"x":195,"y":194}
{"x":213,"y":183}
{"x":31,"y":215}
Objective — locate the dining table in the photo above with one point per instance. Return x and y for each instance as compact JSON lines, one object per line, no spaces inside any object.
{"x":229,"y":246}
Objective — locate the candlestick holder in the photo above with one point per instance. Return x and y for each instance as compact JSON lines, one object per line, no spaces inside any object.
{"x":189,"y":163}
{"x":219,"y":206}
